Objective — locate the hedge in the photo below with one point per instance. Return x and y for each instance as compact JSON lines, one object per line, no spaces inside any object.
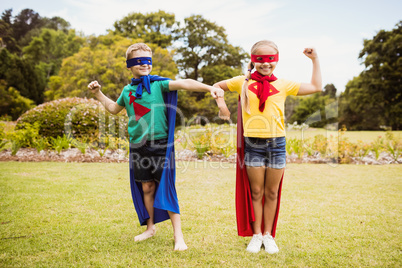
{"x":76,"y":117}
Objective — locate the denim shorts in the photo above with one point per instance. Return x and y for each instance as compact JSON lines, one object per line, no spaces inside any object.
{"x":269,"y":152}
{"x":147,"y":160}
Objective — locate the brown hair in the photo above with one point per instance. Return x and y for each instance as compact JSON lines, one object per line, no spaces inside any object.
{"x":135,"y":47}
{"x":245,"y":103}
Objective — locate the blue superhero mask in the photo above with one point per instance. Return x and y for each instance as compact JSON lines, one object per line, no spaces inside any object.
{"x":139,"y":61}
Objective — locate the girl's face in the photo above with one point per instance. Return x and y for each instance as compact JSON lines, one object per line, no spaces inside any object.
{"x":265,"y":68}
{"x":143,"y":69}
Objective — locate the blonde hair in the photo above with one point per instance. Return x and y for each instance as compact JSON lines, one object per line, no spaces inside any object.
{"x":245,"y":102}
{"x":135,"y":47}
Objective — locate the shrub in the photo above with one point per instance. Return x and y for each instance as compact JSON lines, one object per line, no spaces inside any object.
{"x":3,"y":140}
{"x":78,"y":118}
{"x":24,"y":137}
{"x":60,"y":143}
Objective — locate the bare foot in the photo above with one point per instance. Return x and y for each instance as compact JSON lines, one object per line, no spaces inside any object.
{"x":179,"y":244}
{"x":145,"y":235}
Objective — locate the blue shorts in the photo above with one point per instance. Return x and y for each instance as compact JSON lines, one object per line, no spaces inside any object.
{"x":147,"y":160}
{"x":269,"y":152}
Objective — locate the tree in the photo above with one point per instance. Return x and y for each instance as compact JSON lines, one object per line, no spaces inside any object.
{"x":32,"y":50}
{"x":316,"y":110}
{"x":103,"y":59}
{"x":6,"y":32}
{"x":57,"y":24}
{"x":373,"y":99}
{"x":205,"y":54}
{"x":17,"y":32}
{"x":23,"y":75}
{"x":12,"y":103}
{"x":26,"y":21}
{"x":204,"y":45}
{"x":329,"y":90}
{"x":154,"y":27}
{"x":359,"y":110}
{"x":50,"y":48}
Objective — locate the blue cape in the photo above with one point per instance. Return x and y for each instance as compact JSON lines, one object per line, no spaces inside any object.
{"x":165,"y":193}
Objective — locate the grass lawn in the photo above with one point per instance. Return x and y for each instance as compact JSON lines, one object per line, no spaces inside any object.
{"x":76,"y":214}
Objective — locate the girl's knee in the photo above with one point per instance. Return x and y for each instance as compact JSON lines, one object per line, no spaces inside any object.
{"x":257,"y":194}
{"x":271,"y":194}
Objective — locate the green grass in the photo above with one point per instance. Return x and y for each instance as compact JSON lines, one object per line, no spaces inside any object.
{"x":81,"y":215}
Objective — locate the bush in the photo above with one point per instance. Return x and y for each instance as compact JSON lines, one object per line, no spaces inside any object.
{"x":3,"y":140}
{"x":74,"y":117}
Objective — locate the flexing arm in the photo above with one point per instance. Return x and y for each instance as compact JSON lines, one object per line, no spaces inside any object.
{"x":224,"y":112}
{"x":111,"y":106}
{"x":193,"y":85}
{"x":316,"y":82}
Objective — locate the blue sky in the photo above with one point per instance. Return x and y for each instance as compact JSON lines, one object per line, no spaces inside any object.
{"x":335,"y":28}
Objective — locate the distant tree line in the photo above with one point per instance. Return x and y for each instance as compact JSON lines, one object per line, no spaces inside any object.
{"x":43,"y":59}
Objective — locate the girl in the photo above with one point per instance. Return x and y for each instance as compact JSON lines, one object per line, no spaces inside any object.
{"x":261,"y":140}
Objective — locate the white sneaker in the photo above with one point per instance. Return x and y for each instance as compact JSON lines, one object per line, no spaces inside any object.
{"x":269,"y":244}
{"x":255,"y":244}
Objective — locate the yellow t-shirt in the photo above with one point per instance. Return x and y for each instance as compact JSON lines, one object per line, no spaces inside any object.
{"x":271,"y":122}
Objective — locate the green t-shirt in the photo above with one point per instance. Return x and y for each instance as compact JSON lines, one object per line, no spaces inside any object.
{"x":152,"y":125}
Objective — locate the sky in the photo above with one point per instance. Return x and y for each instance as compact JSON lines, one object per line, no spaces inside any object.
{"x":336,"y":29}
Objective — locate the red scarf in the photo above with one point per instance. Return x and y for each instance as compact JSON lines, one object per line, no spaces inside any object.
{"x":264,"y":87}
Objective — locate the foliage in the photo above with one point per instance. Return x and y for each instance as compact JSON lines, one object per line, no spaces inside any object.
{"x":51,"y":47}
{"x":202,"y":143}
{"x":153,"y":27}
{"x":373,"y":98}
{"x":32,"y":49}
{"x":313,"y":110}
{"x":329,"y":90}
{"x":74,"y":117}
{"x":205,"y":46}
{"x":21,"y":138}
{"x":23,"y":75}
{"x":393,"y":145}
{"x":17,"y":32}
{"x":12,"y":103}
{"x":205,"y":54}
{"x":103,"y":59}
{"x":41,"y":143}
{"x":60,"y":143}
{"x":209,"y":139}
{"x":3,"y":140}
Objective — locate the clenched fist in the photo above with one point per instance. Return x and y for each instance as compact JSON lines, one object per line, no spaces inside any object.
{"x":94,"y":87}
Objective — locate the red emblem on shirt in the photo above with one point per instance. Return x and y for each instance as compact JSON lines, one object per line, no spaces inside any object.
{"x":139,"y":110}
{"x":253,"y":87}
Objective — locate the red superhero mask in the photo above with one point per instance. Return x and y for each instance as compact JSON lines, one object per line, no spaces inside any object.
{"x":264,"y":58}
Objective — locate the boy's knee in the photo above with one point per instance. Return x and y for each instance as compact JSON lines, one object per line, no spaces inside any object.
{"x":148,"y":187}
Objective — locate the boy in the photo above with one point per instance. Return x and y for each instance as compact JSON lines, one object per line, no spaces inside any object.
{"x":151,"y":102}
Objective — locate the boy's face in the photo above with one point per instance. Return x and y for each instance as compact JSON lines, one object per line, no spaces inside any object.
{"x":143,"y":69}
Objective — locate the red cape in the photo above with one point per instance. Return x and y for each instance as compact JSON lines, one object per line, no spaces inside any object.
{"x":244,"y":205}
